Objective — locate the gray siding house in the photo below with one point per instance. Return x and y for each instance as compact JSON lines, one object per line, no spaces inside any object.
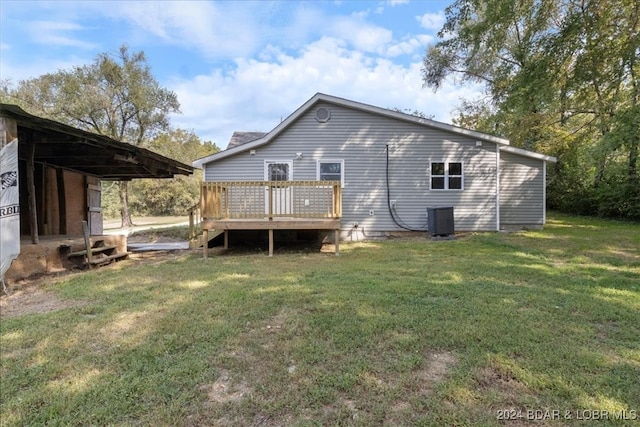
{"x":392,"y":167}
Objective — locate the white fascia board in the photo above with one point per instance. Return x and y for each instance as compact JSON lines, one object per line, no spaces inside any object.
{"x":527,"y":153}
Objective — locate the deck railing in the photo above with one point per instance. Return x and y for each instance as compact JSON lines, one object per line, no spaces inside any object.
{"x":271,"y":199}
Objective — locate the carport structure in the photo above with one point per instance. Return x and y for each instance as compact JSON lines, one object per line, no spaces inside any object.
{"x":61,"y":169}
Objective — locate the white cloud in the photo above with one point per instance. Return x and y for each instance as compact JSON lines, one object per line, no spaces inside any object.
{"x":412,"y":45}
{"x":258,"y":93}
{"x":33,"y":66}
{"x":265,"y":59}
{"x":203,"y":25}
{"x":56,"y":33}
{"x":362,"y":36}
{"x":241,"y":29}
{"x":397,"y":2}
{"x":431,"y":21}
{"x":303,"y":22}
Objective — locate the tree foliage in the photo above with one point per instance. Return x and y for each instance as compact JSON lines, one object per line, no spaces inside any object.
{"x":158,"y":197}
{"x":116,"y":96}
{"x":175,"y":197}
{"x":560,"y":77}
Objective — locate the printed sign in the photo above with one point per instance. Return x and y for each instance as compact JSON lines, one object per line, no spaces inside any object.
{"x":9,"y":206}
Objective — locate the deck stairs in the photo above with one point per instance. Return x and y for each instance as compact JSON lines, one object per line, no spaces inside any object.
{"x":195,"y":227}
{"x":197,"y":242}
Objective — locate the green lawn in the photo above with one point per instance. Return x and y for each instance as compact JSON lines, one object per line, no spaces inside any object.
{"x":396,"y":332}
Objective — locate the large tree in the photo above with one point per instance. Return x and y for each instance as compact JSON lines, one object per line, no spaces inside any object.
{"x":116,"y":95}
{"x":560,"y":77}
{"x":153,"y":197}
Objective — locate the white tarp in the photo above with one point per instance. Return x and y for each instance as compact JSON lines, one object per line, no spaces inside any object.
{"x":9,"y":207}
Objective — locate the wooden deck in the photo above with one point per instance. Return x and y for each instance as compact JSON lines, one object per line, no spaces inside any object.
{"x":270,"y":205}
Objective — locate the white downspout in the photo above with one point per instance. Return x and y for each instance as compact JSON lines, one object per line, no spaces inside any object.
{"x":497,"y":187}
{"x":544,"y":192}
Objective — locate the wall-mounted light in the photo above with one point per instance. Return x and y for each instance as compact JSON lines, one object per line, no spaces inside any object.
{"x":298,"y":156}
{"x":478,"y":143}
{"x":252,"y":152}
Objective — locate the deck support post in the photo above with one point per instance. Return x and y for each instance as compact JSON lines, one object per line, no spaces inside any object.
{"x":205,"y":243}
{"x":226,"y":239}
{"x":271,"y":242}
{"x":337,"y":241}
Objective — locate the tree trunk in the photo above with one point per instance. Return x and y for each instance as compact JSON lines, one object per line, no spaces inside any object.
{"x":633,"y":160}
{"x":124,"y":205}
{"x":635,"y":109}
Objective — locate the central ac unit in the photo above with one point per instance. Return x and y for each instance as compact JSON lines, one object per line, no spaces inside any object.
{"x":440,"y":220}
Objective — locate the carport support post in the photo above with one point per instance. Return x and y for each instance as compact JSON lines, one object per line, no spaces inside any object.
{"x":31,"y":188}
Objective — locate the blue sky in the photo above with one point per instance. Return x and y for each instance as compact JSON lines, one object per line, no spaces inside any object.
{"x":240,"y":65}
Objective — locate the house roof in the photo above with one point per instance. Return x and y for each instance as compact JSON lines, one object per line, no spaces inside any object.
{"x":527,"y":153}
{"x":321,"y":97}
{"x":239,"y":138}
{"x":66,"y":147}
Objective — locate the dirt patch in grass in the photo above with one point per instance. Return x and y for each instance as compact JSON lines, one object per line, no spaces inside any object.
{"x":438,"y":366}
{"x":507,"y":391}
{"x":500,"y":381}
{"x":30,"y":296}
{"x":33,"y":299}
{"x":224,"y":390}
{"x":280,"y":320}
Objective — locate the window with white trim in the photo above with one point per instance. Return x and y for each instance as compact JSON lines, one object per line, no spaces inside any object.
{"x":447,"y":176}
{"x":330,"y":170}
{"x":278,"y":171}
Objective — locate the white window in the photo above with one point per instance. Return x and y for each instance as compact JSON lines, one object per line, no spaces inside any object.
{"x":331,"y":170}
{"x":278,"y":171}
{"x":447,"y":176}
